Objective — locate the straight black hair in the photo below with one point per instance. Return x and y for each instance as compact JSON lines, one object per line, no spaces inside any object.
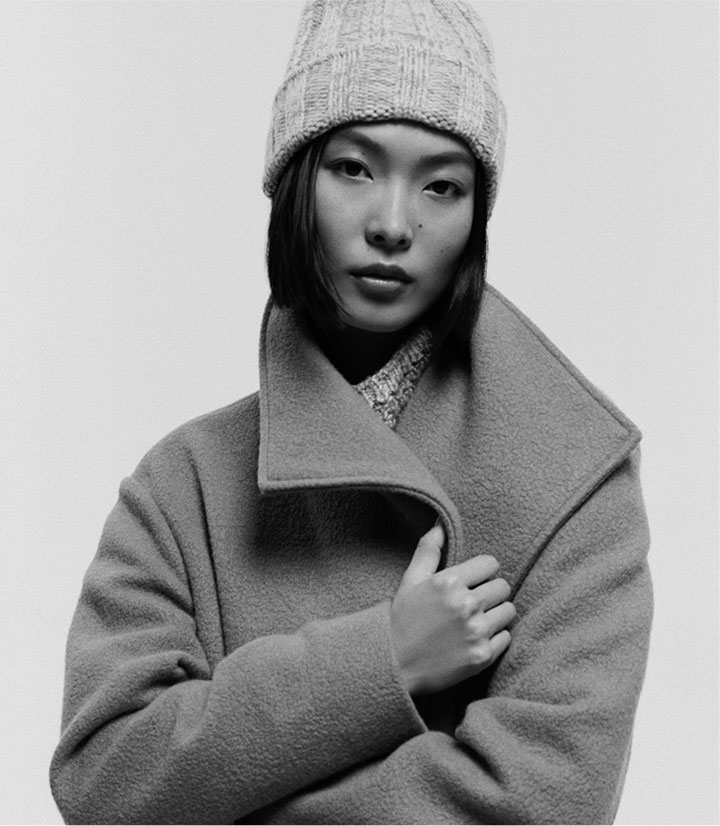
{"x":296,"y":267}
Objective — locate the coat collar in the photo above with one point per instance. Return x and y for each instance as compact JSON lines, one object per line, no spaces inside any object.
{"x":504,"y":442}
{"x":317,"y":431}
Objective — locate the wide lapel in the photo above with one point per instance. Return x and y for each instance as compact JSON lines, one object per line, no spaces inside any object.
{"x":515,"y":434}
{"x":317,"y":431}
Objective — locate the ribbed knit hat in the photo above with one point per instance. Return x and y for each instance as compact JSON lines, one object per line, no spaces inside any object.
{"x":375,"y":60}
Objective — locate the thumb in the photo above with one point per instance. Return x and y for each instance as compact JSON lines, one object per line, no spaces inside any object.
{"x":426,"y":558}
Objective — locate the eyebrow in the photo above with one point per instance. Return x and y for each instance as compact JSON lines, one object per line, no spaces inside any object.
{"x":358,"y":137}
{"x":450,"y":156}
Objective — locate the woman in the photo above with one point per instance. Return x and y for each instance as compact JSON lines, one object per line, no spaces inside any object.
{"x":407,"y":581}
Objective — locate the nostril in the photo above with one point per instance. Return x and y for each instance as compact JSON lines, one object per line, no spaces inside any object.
{"x":401,"y":240}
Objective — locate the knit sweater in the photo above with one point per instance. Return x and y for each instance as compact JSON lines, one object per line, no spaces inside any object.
{"x":388,"y":390}
{"x":231,"y":660}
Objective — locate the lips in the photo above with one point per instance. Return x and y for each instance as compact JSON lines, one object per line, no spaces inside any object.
{"x":382,"y":272}
{"x":381,"y":283}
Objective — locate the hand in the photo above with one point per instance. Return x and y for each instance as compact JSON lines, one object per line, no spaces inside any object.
{"x":448,"y":625}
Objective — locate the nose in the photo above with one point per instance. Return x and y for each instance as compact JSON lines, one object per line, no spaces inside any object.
{"x":389,"y":223}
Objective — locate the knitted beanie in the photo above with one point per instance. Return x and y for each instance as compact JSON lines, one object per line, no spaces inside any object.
{"x":429,"y":61}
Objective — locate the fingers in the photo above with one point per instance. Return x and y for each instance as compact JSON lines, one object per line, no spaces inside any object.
{"x":490,"y":636}
{"x":476,"y":570}
{"x":498,"y":618}
{"x":448,"y":625}
{"x":426,"y":558}
{"x":498,"y":644}
{"x":489,"y":594}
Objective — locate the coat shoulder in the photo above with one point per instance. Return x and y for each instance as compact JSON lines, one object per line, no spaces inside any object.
{"x":224,"y":438}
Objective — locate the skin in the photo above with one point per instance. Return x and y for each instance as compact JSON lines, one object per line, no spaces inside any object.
{"x":398,"y":194}
{"x":448,"y":625}
{"x":401,"y":194}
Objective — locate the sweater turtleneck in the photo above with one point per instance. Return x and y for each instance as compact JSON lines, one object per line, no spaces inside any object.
{"x":389,"y":389}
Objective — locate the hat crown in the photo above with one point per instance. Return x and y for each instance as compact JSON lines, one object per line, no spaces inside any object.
{"x":376,"y":60}
{"x":426,"y":25}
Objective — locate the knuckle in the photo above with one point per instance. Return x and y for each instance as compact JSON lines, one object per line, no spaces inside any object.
{"x":446,"y":584}
{"x":462,"y":602}
{"x":465,"y":607}
{"x":478,"y":628}
{"x":451,"y":580}
{"x":481,"y":654}
{"x":437,"y":585}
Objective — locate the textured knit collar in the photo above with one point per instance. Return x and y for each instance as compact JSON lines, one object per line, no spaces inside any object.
{"x":389,"y":390}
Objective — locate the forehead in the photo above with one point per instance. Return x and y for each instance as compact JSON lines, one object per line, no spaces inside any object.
{"x":406,"y":137}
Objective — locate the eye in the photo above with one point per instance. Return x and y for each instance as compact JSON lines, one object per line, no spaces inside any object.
{"x":353,"y":169}
{"x":445,"y":189}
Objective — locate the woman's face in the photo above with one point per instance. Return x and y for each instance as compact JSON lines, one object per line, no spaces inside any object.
{"x":393,"y":208}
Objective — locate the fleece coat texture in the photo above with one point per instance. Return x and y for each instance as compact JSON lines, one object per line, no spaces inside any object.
{"x":230,"y":659}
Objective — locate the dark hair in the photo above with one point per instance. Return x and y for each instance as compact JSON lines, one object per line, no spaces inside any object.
{"x":297,"y":272}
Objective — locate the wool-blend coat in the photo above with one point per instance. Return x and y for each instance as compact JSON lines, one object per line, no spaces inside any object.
{"x":231,"y":658}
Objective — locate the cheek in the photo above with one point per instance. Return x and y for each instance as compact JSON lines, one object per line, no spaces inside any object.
{"x":464,"y":227}
{"x":454,"y":238}
{"x":334,"y":222}
{"x":323,"y":216}
{"x":325,"y":209}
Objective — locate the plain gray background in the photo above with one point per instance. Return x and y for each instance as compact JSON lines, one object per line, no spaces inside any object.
{"x":132,"y":284}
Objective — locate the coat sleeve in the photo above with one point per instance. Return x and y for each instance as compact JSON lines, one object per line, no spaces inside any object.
{"x":153,"y":732}
{"x":545,"y":737}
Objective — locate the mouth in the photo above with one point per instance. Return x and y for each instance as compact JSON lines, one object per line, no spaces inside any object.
{"x":381,"y":283}
{"x":382,"y":272}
